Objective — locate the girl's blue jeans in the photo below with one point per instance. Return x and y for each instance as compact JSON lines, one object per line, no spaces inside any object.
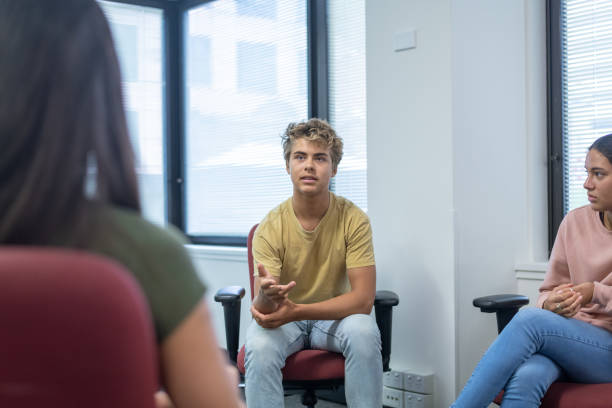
{"x":536,"y":348}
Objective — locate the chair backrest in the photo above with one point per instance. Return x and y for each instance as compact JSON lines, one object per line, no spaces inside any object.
{"x":251,"y":260}
{"x":75,"y":332}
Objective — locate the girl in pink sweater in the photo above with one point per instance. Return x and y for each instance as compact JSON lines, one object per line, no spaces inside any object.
{"x":569,"y":334}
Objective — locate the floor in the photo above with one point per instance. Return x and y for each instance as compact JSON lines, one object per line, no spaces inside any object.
{"x":293,"y":401}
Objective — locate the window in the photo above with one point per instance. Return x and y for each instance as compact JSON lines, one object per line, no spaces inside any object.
{"x":224,"y":78}
{"x":200,"y":66}
{"x":234,"y":161}
{"x":580,"y":55}
{"x":347,"y":96}
{"x":256,"y":65}
{"x":137,"y":33}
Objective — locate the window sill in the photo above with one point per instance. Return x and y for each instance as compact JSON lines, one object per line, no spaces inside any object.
{"x":531,"y":271}
{"x":218,"y":253}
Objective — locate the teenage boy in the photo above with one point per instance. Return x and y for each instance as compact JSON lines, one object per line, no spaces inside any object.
{"x":315,"y":277}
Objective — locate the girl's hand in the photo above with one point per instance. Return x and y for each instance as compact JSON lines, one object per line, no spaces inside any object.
{"x":564,"y":300}
{"x":162,"y":400}
{"x":586,"y":290}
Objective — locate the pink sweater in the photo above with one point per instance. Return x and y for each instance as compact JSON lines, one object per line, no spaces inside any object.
{"x":583,"y":252}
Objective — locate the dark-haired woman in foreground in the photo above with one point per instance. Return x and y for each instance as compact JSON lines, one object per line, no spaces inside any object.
{"x":569,"y":335}
{"x":62,"y":117}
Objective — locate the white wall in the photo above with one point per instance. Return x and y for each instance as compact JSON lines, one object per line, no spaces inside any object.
{"x":220,"y":267}
{"x":410,"y":181}
{"x":497,"y":111}
{"x":457,"y":146}
{"x":456,"y":174}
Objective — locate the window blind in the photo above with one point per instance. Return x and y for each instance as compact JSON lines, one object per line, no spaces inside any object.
{"x":240,"y":97}
{"x":586,"y":32}
{"x":347,"y":95}
{"x":137,"y":33}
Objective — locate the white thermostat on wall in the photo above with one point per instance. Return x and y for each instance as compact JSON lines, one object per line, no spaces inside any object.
{"x":404,"y":40}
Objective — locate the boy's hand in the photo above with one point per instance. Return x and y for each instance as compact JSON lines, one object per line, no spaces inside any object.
{"x":270,"y":289}
{"x":285,"y":313}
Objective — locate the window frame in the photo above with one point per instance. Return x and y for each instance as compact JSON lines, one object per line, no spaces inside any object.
{"x":556,"y":160}
{"x":174,"y":14}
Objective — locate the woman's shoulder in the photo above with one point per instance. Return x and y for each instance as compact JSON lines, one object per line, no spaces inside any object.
{"x":156,"y":256}
{"x":583,"y":211}
{"x":148,"y":250}
{"x":582,"y":216}
{"x":583,"y":222}
{"x":134,"y":228}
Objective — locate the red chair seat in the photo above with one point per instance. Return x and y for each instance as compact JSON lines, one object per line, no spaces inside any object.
{"x":76,"y":332}
{"x":499,"y":398}
{"x":308,"y":365}
{"x":573,"y":395}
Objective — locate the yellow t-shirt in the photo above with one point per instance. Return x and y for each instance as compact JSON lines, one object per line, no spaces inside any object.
{"x":316,"y":260}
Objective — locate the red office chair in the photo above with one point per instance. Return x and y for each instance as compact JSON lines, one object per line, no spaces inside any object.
{"x":560,"y":394}
{"x":76,"y":332}
{"x":309,"y":370}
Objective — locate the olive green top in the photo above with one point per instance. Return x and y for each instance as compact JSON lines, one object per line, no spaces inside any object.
{"x":157,"y":259}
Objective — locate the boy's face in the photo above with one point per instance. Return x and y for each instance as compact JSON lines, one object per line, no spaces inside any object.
{"x":310,"y":168}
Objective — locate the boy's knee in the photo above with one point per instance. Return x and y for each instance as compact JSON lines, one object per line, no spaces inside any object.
{"x":361,"y":332}
{"x":260,"y":346}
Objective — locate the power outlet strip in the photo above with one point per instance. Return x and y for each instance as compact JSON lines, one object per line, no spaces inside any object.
{"x":408,"y":381}
{"x":393,"y":398}
{"x":394,"y":379}
{"x":415,"y":400}
{"x":423,"y":384}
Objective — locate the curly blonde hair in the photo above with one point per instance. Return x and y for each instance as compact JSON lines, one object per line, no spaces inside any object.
{"x":314,"y":130}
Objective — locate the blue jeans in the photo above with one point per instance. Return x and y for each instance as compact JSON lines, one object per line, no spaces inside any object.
{"x":536,"y":348}
{"x":356,"y":337}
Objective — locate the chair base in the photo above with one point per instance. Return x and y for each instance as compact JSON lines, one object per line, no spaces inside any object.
{"x":333,"y":395}
{"x":309,"y":398}
{"x":324,"y":390}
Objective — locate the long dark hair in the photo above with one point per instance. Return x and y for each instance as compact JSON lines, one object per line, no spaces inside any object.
{"x":61,"y":109}
{"x":604,"y":146}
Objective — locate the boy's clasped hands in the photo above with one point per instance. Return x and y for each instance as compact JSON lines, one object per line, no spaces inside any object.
{"x":277,"y":308}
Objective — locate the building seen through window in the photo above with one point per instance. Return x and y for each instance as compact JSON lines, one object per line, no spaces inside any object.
{"x":244,"y":76}
{"x":258,"y":68}
{"x":587,"y":87}
{"x":137,"y":33}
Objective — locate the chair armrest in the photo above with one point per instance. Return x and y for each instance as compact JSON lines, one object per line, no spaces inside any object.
{"x":493,"y":303}
{"x":386,"y":298}
{"x":384,"y":302}
{"x":230,"y":294}
{"x":504,"y":306}
{"x":230,"y":298}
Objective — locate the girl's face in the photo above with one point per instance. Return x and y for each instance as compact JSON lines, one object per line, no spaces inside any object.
{"x":599,"y":181}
